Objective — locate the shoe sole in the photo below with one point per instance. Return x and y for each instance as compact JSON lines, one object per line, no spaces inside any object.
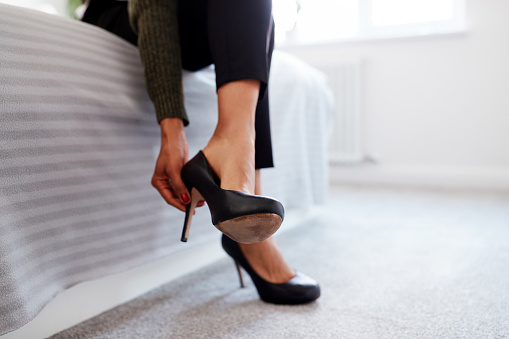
{"x":251,"y":229}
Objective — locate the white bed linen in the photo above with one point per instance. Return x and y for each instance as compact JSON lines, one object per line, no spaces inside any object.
{"x":78,"y":142}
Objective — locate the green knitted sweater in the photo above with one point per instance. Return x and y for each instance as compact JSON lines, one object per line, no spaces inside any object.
{"x":155,"y":22}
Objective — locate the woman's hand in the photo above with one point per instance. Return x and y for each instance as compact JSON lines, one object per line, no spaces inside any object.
{"x":172,"y":157}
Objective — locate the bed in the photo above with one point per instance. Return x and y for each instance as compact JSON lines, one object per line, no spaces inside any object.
{"x":78,"y":145}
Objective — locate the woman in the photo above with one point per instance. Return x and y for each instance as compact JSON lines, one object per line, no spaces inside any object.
{"x":238,"y":37}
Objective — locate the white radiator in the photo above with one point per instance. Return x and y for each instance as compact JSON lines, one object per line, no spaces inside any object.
{"x":344,"y":78}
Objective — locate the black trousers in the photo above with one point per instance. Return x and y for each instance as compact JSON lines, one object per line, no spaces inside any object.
{"x":237,"y":36}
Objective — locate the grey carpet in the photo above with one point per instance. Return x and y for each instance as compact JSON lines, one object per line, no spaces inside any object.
{"x":391,"y":263}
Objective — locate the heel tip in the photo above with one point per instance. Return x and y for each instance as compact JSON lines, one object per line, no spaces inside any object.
{"x":183,"y":239}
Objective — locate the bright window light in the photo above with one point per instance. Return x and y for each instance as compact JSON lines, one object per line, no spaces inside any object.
{"x":308,"y":21}
{"x":399,"y":12}
{"x":285,"y":17}
{"x":327,"y":19}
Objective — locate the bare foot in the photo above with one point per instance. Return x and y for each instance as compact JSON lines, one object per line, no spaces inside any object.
{"x":232,"y":160}
{"x":266,"y":259}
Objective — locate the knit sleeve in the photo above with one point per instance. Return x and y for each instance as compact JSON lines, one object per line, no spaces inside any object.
{"x":155,"y":22}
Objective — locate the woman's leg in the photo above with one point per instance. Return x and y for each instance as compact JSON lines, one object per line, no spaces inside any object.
{"x":243,"y":123}
{"x":265,"y":257}
{"x":231,"y":150}
{"x":237,"y":36}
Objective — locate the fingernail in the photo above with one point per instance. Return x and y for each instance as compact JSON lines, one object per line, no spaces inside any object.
{"x":185,"y":198}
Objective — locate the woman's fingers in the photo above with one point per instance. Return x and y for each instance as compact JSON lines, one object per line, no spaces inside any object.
{"x":168,"y":192}
{"x":164,"y":188}
{"x":178,"y":186}
{"x":172,"y":157}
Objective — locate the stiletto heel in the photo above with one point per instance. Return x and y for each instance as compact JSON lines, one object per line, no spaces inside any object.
{"x":243,"y":217}
{"x":195,"y":199}
{"x":300,"y":289}
{"x":241,"y":278}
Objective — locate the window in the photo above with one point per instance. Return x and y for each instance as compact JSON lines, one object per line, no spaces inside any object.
{"x":305,"y":21}
{"x":410,"y":11}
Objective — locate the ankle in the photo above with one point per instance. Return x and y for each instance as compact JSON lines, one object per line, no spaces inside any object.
{"x":231,"y":147}
{"x":235,"y":135}
{"x":232,"y":160}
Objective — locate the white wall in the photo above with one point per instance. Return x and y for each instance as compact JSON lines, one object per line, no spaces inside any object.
{"x":435,"y":109}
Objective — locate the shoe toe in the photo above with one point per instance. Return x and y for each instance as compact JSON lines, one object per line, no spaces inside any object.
{"x":301,"y":289}
{"x":305,"y":288}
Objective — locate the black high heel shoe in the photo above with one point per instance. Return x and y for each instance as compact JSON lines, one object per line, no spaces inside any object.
{"x":243,"y":217}
{"x":300,"y":289}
